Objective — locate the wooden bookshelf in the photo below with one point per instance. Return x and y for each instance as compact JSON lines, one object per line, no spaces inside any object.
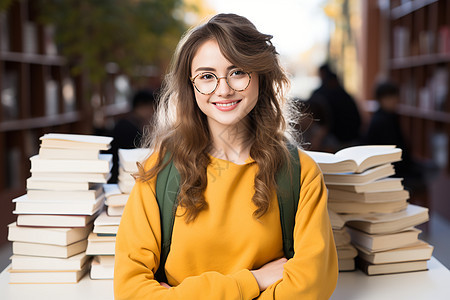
{"x":415,"y":43}
{"x":419,"y":61}
{"x":38,"y":95}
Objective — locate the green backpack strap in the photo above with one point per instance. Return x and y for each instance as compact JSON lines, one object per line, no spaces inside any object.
{"x":288,"y":193}
{"x":167,"y":186}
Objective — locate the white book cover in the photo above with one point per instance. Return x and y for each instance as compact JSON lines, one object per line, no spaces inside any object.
{"x":100,"y":270}
{"x":26,"y":262}
{"x":129,"y":157}
{"x":44,"y":276}
{"x":114,"y":196}
{"x":61,"y":153}
{"x":102,"y":165}
{"x":60,"y":196}
{"x":101,"y":245}
{"x":54,"y":220}
{"x":71,"y":177}
{"x":38,"y":184}
{"x":47,"y":250}
{"x":125,"y":177}
{"x":26,"y":206}
{"x":44,"y":235}
{"x":115,"y":210}
{"x":103,"y":219}
{"x":126,"y":187}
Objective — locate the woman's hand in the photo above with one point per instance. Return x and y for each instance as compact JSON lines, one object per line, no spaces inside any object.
{"x":269,"y":273}
{"x":165,"y":285}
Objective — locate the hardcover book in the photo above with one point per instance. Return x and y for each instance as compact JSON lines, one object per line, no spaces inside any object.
{"x":370,"y":175}
{"x":74,"y":207}
{"x":43,"y":235}
{"x":129,"y":157}
{"x":377,"y":223}
{"x":362,"y":208}
{"x":418,"y":251}
{"x":391,"y":268}
{"x":382,"y":242}
{"x":37,"y":184}
{"x":71,"y":177}
{"x":101,"y":245}
{"x":100,"y":270}
{"x":46,"y":250}
{"x":54,"y":220}
{"x":26,"y":262}
{"x":114,"y":196}
{"x":61,"y":153}
{"x":372,"y":197}
{"x":63,"y":196}
{"x":102,"y":165}
{"x":381,"y":185}
{"x":75,"y":141}
{"x":47,"y":276}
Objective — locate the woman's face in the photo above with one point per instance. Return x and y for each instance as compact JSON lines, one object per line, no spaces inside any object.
{"x":225,"y":106}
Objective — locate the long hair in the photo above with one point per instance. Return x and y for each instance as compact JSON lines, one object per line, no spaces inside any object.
{"x":181,"y":128}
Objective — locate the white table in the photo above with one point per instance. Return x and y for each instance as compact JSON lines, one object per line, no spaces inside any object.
{"x":433,"y":284}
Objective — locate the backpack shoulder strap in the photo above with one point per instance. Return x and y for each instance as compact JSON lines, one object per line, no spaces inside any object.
{"x":288,"y":193}
{"x":167,"y":187}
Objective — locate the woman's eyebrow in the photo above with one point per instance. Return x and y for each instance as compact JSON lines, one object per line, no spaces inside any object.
{"x":210,"y":69}
{"x":205,"y":69}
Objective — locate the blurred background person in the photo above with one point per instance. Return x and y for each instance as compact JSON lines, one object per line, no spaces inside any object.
{"x":128,"y":130}
{"x":338,"y":117}
{"x":385,"y":129}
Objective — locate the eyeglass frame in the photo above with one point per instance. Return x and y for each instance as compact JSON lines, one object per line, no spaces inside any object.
{"x":218,"y":81}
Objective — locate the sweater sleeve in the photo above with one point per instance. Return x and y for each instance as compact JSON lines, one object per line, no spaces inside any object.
{"x":137,"y":255}
{"x":313,"y":271}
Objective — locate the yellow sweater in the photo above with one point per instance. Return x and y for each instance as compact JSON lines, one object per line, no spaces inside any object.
{"x":210,"y":258}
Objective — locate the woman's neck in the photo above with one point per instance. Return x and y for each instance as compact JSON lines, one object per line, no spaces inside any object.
{"x":231,"y":143}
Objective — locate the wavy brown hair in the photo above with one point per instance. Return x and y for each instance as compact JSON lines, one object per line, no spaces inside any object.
{"x":182,"y":129}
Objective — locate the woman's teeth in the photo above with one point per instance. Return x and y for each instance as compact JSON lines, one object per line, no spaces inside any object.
{"x":226,"y":104}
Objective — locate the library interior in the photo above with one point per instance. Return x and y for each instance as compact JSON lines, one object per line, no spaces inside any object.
{"x":80,"y":83}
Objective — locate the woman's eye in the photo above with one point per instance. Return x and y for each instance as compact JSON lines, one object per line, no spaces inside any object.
{"x":237,"y":73}
{"x":206,"y":76}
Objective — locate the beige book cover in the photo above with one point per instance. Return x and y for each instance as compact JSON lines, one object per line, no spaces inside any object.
{"x":418,"y":251}
{"x":370,"y":175}
{"x":75,"y":141}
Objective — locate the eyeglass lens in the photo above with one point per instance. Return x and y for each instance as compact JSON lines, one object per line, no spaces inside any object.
{"x":207,"y":82}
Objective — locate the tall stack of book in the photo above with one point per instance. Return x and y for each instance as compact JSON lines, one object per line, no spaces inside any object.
{"x":55,"y":216}
{"x":101,"y":242}
{"x":374,"y":208}
{"x":101,"y":245}
{"x":117,"y":194}
{"x":345,"y":250}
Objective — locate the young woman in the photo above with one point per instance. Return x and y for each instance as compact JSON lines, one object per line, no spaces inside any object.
{"x":220,"y":118}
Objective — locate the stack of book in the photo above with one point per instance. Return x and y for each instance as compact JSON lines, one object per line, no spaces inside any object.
{"x":128,"y":160}
{"x":117,"y":194}
{"x":389,"y":243}
{"x":345,"y":250}
{"x":101,"y":245}
{"x":101,"y":241}
{"x":55,"y":216}
{"x":374,"y":208}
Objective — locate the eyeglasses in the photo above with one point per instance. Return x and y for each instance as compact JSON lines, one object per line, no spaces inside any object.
{"x":206,"y":83}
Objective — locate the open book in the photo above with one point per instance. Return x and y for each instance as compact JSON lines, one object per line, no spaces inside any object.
{"x":356,"y":159}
